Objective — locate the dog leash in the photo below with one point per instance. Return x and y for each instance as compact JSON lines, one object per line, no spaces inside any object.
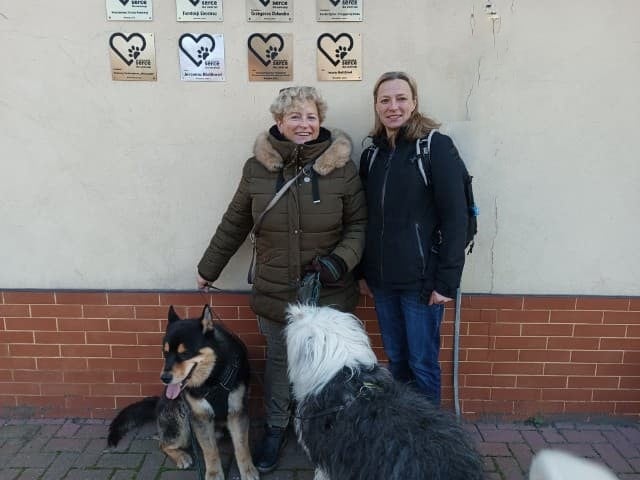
{"x":229,"y":374}
{"x":309,"y":289}
{"x":208,"y":300}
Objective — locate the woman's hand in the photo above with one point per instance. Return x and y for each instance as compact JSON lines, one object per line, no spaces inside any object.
{"x":364,"y":288}
{"x":201,"y":282}
{"x":437,"y":299}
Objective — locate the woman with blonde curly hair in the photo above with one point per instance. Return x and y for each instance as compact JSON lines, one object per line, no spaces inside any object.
{"x":318,"y":224}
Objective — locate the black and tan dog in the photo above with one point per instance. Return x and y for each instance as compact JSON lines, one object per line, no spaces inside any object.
{"x":206,"y":373}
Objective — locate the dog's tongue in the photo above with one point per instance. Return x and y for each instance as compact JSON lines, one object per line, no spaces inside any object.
{"x":172,"y":391}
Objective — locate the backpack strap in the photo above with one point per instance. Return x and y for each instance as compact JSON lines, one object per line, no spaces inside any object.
{"x":423,"y":151}
{"x":373,"y":153}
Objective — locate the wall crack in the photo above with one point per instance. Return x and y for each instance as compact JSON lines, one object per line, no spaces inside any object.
{"x":473,"y":85}
{"x":472,"y":20}
{"x":493,"y":244}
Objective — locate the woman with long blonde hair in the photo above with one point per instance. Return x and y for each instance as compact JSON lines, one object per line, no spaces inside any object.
{"x":416,"y":233}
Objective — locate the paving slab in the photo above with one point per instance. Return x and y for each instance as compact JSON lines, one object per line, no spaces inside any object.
{"x":75,"y":449}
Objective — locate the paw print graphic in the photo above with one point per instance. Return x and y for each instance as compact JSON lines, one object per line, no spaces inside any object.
{"x":341,"y":52}
{"x":203,"y":53}
{"x":134,"y":52}
{"x":272,"y":52}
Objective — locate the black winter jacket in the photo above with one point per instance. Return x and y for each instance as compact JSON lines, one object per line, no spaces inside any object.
{"x":403,"y":248}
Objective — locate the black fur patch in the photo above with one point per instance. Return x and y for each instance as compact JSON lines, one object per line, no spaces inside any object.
{"x":368,"y":427}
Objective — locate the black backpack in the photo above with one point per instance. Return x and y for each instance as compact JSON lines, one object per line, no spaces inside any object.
{"x":423,"y":152}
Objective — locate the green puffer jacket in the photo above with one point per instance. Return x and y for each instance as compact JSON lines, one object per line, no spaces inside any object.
{"x":296,"y":229}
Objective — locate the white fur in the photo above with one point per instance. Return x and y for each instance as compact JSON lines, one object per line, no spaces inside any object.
{"x":320,"y":342}
{"x":559,"y":465}
{"x":320,"y":475}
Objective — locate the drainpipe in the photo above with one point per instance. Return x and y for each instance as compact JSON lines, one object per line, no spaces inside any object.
{"x":456,"y":352}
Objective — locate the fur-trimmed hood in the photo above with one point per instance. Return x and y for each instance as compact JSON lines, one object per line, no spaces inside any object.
{"x":324,"y":213}
{"x":274,"y":153}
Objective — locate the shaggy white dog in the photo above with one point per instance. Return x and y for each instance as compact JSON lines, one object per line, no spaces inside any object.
{"x":353,"y":420}
{"x":321,"y":342}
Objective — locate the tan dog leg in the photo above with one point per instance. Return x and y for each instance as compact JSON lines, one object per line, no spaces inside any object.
{"x":175,"y":447}
{"x":181,"y":458}
{"x":202,"y":422}
{"x":238,"y":425}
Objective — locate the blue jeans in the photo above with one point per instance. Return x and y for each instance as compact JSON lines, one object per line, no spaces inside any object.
{"x":411,"y":337}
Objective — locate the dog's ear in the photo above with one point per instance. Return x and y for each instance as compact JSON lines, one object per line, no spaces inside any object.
{"x":207,"y":319}
{"x":301,"y":351}
{"x":172,"y":316}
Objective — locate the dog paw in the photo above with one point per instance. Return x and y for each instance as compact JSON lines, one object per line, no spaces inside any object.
{"x":184,"y":461}
{"x":215,"y":476}
{"x":249,"y":473}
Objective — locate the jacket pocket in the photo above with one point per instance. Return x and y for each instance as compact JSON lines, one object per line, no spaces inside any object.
{"x":429,"y":278}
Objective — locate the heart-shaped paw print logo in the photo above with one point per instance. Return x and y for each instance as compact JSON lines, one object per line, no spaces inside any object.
{"x":194,"y":2}
{"x":266,"y":48}
{"x":197,"y":49}
{"x":128,"y":48}
{"x":265,"y":2}
{"x":124,"y":2}
{"x":335,"y":48}
{"x":335,"y":2}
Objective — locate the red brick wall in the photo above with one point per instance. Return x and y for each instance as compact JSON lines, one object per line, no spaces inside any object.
{"x":85,"y":354}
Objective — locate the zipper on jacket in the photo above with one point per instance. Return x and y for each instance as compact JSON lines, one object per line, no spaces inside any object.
{"x":384,"y":192}
{"x":420,"y":249}
{"x":297,"y":151}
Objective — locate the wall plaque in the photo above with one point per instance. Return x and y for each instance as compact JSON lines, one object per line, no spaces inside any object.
{"x":199,"y":10}
{"x":270,"y":56}
{"x":339,"y":57}
{"x":129,"y":10}
{"x":201,"y":57}
{"x":270,"y":10}
{"x":133,"y":56}
{"x":339,"y":10}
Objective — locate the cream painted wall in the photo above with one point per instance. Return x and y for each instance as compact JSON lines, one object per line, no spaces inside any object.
{"x":120,"y":185}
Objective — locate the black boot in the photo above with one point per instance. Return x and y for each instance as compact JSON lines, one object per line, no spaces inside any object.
{"x":269,"y":452}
